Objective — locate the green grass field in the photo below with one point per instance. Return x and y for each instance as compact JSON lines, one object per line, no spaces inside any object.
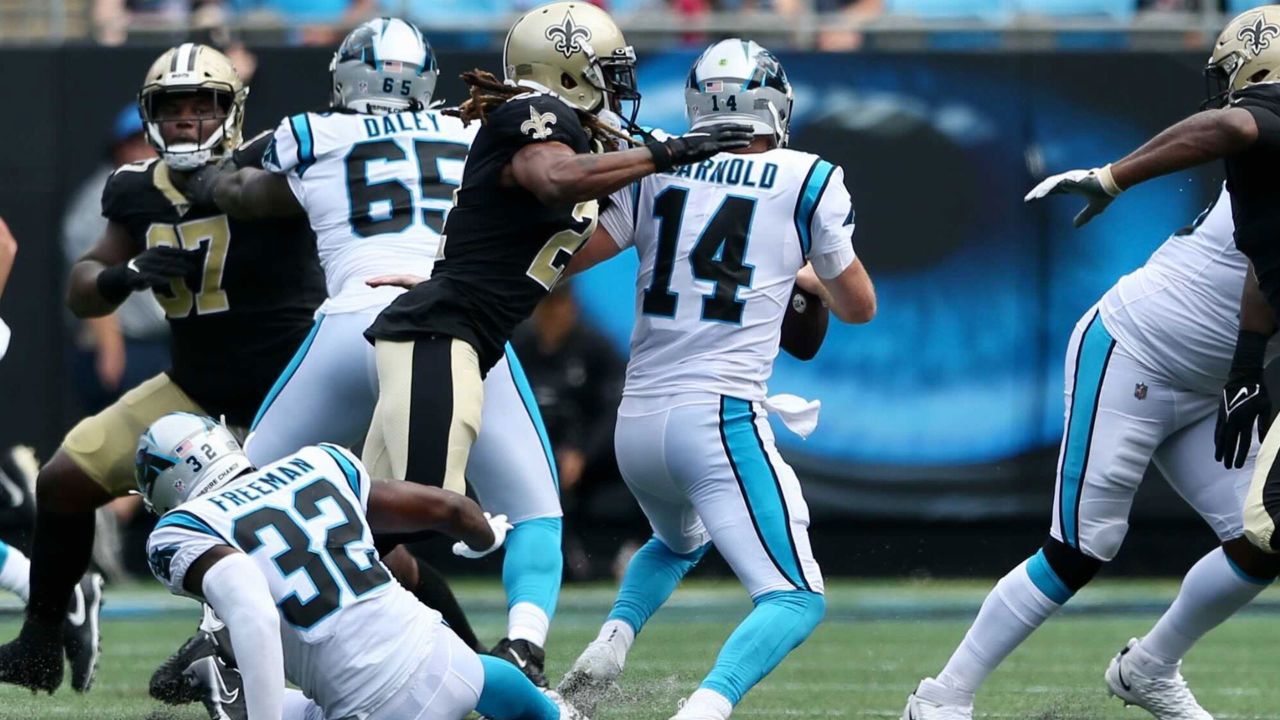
{"x":878,"y":639}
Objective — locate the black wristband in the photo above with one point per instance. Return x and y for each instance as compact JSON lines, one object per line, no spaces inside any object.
{"x":1251,"y":351}
{"x":662,"y":158}
{"x":113,"y":284}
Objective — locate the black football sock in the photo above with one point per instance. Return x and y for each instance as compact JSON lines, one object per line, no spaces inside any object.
{"x":434,"y":592}
{"x":60,"y":553}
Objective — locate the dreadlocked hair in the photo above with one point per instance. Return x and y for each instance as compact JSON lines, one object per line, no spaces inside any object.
{"x":488,"y":92}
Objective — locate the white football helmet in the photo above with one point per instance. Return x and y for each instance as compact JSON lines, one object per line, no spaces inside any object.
{"x":740,"y":81}
{"x":183,"y":456}
{"x":384,"y":66}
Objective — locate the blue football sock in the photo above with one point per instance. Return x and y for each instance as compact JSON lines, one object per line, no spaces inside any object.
{"x":531,"y":573}
{"x":508,"y":694}
{"x":780,"y":622}
{"x":652,"y":575}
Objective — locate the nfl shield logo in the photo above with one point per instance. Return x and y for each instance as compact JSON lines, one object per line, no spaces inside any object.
{"x":1140,"y":391}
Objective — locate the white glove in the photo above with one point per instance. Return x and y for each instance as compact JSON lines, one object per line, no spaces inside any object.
{"x":1097,"y":186}
{"x":499,"y":525}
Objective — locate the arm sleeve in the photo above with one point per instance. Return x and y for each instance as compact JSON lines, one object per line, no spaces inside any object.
{"x":4,"y":339}
{"x":170,"y":551}
{"x":831,"y":226}
{"x":619,"y":219}
{"x":239,"y":594}
{"x":1263,"y":102}
{"x":353,"y":471}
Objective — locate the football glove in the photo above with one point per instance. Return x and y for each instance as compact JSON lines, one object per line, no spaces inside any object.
{"x":698,"y":145}
{"x":199,"y":185}
{"x":149,"y":269}
{"x":499,"y":525}
{"x":1096,"y":186}
{"x":1244,"y":402}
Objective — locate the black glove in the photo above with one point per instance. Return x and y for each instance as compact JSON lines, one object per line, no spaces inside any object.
{"x":698,"y":145}
{"x":152,"y":268}
{"x":198,"y":186}
{"x":1244,"y":402}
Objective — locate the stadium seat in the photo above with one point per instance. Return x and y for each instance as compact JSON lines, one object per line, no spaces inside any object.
{"x":994,"y":10}
{"x":1236,"y":7}
{"x":1119,"y":9}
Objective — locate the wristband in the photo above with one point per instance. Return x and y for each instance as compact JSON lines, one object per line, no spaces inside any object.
{"x":113,"y":284}
{"x":1251,"y":351}
{"x":662,"y":159}
{"x":1107,"y":180}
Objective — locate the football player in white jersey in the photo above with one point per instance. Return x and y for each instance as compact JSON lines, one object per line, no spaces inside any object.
{"x":720,"y":245}
{"x":375,"y":176}
{"x":285,"y":555}
{"x":1144,"y":370}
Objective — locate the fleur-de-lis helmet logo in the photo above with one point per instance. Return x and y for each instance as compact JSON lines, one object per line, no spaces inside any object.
{"x":568,"y":36}
{"x":1257,"y":37}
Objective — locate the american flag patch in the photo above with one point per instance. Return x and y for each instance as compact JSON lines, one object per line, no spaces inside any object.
{"x":712,"y":86}
{"x":184,"y":447}
{"x":392,"y":65}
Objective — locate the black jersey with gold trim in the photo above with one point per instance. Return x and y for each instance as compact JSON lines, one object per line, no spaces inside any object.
{"x":237,"y":322}
{"x":502,"y":248}
{"x":1254,"y":185}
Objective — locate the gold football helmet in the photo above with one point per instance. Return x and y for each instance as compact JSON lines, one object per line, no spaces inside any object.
{"x":192,"y":69}
{"x":1247,"y":53}
{"x":576,"y":51}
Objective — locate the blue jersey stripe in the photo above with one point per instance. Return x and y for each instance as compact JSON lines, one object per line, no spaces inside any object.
{"x":815,"y":183}
{"x":301,"y":126}
{"x":188,"y":521}
{"x":1091,"y":368}
{"x":760,"y":488}
{"x":531,"y":407}
{"x":287,"y":375}
{"x":348,"y":469}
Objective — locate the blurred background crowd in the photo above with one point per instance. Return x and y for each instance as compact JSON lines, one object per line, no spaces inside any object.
{"x":824,"y":24}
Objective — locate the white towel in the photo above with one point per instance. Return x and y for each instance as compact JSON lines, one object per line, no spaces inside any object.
{"x":799,"y":415}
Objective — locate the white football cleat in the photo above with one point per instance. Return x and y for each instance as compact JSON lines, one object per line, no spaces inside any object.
{"x":593,"y":673}
{"x":934,"y":701}
{"x":1130,"y":677}
{"x":567,"y":710}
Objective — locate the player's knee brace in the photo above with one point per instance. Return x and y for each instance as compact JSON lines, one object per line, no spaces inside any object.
{"x":1072,"y":567}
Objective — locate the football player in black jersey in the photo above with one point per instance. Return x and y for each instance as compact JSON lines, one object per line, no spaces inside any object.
{"x":239,"y":297}
{"x":1242,"y":127}
{"x":527,"y":202}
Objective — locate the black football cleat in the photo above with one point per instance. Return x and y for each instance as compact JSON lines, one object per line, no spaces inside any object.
{"x":33,"y":659}
{"x":220,"y":687}
{"x":168,"y":683}
{"x":81,"y":633}
{"x":525,"y":655}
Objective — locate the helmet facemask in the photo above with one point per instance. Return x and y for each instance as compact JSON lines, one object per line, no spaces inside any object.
{"x":217,"y":123}
{"x":616,"y":77}
{"x":1220,"y":79}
